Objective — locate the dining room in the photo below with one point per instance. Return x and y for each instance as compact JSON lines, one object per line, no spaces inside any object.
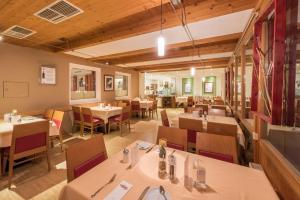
{"x":160,"y":99}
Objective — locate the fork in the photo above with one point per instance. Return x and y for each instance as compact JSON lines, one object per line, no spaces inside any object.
{"x":162,"y":192}
{"x":110,"y":181}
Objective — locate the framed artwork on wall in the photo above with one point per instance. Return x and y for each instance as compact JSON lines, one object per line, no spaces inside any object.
{"x":208,"y":87}
{"x":48,"y":75}
{"x":108,"y":83}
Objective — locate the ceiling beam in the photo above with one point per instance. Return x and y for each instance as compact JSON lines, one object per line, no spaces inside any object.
{"x":219,"y":39}
{"x":217,"y":62}
{"x":176,"y":53}
{"x":149,"y":21}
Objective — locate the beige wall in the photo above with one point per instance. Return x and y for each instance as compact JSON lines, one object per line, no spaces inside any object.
{"x":23,"y":65}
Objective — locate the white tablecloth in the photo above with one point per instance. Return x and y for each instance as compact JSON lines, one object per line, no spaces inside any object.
{"x":146,"y":104}
{"x":211,"y":118}
{"x":225,"y":181}
{"x":6,"y":130}
{"x":105,"y":113}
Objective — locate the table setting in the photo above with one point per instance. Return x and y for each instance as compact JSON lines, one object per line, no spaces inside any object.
{"x":185,"y":176}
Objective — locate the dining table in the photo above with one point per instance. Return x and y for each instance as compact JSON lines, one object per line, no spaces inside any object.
{"x":6,"y":130}
{"x":105,"y":112}
{"x":212,"y":118}
{"x":115,"y":179}
{"x":146,"y":104}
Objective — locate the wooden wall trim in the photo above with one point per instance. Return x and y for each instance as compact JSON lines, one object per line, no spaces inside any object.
{"x":284,"y":177}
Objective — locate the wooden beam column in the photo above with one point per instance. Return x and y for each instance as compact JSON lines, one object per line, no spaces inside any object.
{"x":243,"y":89}
{"x":278,"y":61}
{"x":236,"y":84}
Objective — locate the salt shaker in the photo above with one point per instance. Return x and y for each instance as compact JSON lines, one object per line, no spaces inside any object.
{"x":172,"y":167}
{"x":125,"y":155}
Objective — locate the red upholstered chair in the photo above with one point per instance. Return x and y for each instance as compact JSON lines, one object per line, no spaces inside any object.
{"x":222,"y":129}
{"x":164,"y":118}
{"x":90,"y":122}
{"x":84,"y":155}
{"x":176,"y":138}
{"x":217,"y":146}
{"x":124,"y":118}
{"x":136,"y":107}
{"x":28,"y":141}
{"x":77,"y":118}
{"x":56,"y":133}
{"x":192,"y":126}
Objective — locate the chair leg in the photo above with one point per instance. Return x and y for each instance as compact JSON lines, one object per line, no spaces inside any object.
{"x":129,"y":125}
{"x":108,"y":127}
{"x":104,"y":128}
{"x":92,"y":131}
{"x":81,"y":130}
{"x":120,"y":125}
{"x":61,"y":142}
{"x":4,"y":163}
{"x":10,"y":171}
{"x":48,"y":160}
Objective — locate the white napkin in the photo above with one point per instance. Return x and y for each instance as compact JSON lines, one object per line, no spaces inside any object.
{"x":144,"y":145}
{"x":119,"y":192}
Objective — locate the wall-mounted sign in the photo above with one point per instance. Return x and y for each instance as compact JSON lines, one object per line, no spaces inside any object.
{"x":48,"y":75}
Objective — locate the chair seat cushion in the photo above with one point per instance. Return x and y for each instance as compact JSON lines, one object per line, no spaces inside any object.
{"x":218,"y":156}
{"x":115,"y":119}
{"x":89,"y":164}
{"x":97,"y":120}
{"x":175,"y":146}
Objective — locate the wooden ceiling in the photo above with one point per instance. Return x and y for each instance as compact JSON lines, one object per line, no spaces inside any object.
{"x":110,"y":20}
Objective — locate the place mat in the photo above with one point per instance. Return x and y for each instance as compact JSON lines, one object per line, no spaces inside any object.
{"x":119,"y":192}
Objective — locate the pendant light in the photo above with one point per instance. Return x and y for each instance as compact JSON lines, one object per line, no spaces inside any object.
{"x":161,"y":40}
{"x":193,"y":71}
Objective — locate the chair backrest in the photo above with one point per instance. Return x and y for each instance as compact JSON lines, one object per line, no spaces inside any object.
{"x":126,"y":101}
{"x":217,"y":146}
{"x":86,"y":115}
{"x":217,"y":112}
{"x":58,"y":117}
{"x":164,"y":118}
{"x":29,"y":139}
{"x":125,"y":113}
{"x":220,"y":107}
{"x":135,"y":105}
{"x":76,"y":113}
{"x":203,"y":106}
{"x":154,"y":105}
{"x":191,"y":109}
{"x":219,"y":102}
{"x":192,"y":126}
{"x":121,"y":104}
{"x":49,"y":114}
{"x":84,"y":155}
{"x":222,"y":129}
{"x":176,"y":138}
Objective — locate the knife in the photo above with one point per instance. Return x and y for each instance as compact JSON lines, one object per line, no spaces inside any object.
{"x":144,"y":193}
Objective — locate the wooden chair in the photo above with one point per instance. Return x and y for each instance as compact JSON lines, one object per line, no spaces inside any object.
{"x":124,"y":118}
{"x":222,"y":129}
{"x":84,"y":155}
{"x":136,"y":107}
{"x":190,"y":101}
{"x":153,"y":109}
{"x":192,"y":126}
{"x":57,"y":119}
{"x":164,"y":118}
{"x":219,"y":102}
{"x":203,"y":106}
{"x":217,"y":112}
{"x":77,"y":118}
{"x":176,"y":138}
{"x":191,"y":109}
{"x":217,"y":146}
{"x":49,"y":114}
{"x":90,"y":122}
{"x":121,"y":104}
{"x":28,"y":141}
{"x":127,"y":102}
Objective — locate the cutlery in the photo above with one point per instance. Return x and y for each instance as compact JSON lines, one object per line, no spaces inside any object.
{"x":143,"y":193}
{"x":173,"y":152}
{"x":150,"y":149}
{"x":162,"y":192}
{"x":110,"y":181}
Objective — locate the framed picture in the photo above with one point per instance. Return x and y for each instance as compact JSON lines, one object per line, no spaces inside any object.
{"x":48,"y":75}
{"x":108,"y":83}
{"x":208,"y":87}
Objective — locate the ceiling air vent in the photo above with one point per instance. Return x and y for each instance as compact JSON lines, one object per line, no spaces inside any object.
{"x":58,"y":11}
{"x":18,"y":32}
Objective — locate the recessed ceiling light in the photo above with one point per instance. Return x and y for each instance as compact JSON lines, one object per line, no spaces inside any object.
{"x":1,"y":37}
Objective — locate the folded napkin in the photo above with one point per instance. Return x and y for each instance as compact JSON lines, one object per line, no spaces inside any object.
{"x":119,"y":192}
{"x":144,"y":145}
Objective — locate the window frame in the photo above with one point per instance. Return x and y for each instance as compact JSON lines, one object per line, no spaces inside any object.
{"x":129,"y":85}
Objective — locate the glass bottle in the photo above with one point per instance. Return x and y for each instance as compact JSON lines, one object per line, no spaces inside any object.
{"x":172,"y":167}
{"x":200,"y":174}
{"x":162,"y":167}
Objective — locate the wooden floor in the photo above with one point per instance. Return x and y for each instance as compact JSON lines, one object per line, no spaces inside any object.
{"x":32,"y":180}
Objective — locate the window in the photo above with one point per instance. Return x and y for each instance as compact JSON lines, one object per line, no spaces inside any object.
{"x":84,"y":84}
{"x":122,"y":85}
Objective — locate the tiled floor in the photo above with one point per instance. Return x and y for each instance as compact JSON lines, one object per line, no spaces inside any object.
{"x":32,"y":180}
